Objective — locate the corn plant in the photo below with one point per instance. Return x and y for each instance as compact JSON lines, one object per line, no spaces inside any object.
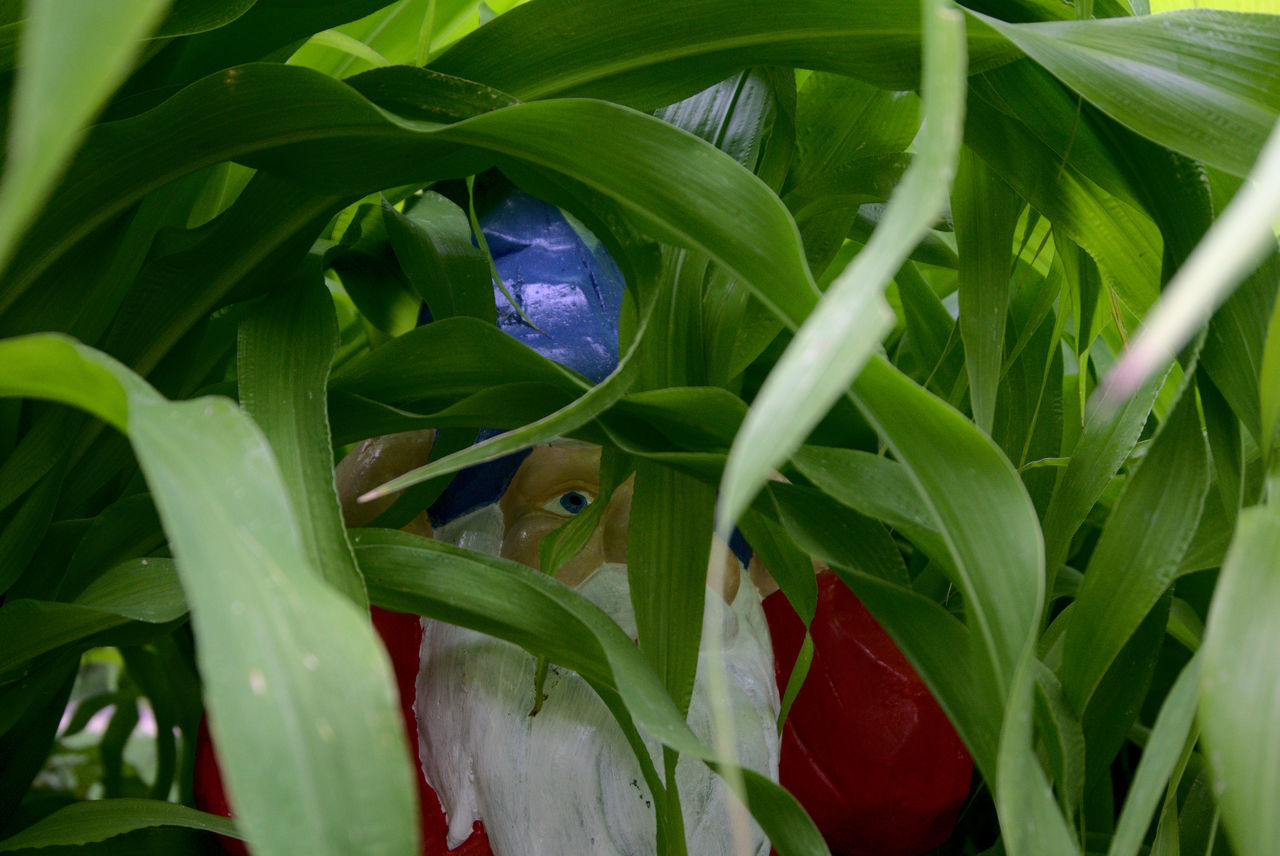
{"x":992,"y":284}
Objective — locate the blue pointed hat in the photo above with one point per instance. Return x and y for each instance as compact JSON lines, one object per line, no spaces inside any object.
{"x":570,"y":288}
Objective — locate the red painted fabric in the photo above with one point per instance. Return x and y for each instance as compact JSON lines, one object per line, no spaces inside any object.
{"x":866,"y":749}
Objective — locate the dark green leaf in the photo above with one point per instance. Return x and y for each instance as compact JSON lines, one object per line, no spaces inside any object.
{"x":299,"y":768}
{"x":1202,"y":82}
{"x":432,"y":241}
{"x":87,"y":822}
{"x":656,"y":53}
{"x":985,"y":212}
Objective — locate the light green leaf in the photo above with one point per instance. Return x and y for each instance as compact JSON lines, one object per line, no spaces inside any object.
{"x":1235,"y":244}
{"x":300,"y":696}
{"x":1138,"y":554}
{"x":1240,"y":686}
{"x":72,"y":58}
{"x":1159,"y":759}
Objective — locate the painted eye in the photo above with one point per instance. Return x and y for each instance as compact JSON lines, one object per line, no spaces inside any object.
{"x":569,"y":503}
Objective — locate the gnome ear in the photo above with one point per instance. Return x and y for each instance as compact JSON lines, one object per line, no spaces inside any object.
{"x":374,"y":462}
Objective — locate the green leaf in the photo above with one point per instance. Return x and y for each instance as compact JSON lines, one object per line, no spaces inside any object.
{"x":452,"y":357}
{"x":652,"y":54}
{"x":1238,"y":353}
{"x":1030,"y":820}
{"x":1172,"y":729}
{"x":835,"y":342}
{"x":877,"y":487}
{"x":188,"y":17}
{"x":977,"y":503}
{"x":668,"y":547}
{"x":847,"y":540}
{"x":1119,"y":236}
{"x":98,"y":820}
{"x":283,"y":357}
{"x":670,"y":182}
{"x":432,"y":242}
{"x":138,"y":590}
{"x":1062,"y":737}
{"x":1202,"y":82}
{"x":258,"y":242}
{"x":300,"y":696}
{"x":268,"y":29}
{"x":72,"y":57}
{"x":521,"y":605}
{"x":53,"y":368}
{"x":1107,"y":440}
{"x":839,"y":119}
{"x":1241,"y":683}
{"x":1269,"y":382}
{"x":1138,"y":554}
{"x":985,"y":211}
{"x":1236,"y":243}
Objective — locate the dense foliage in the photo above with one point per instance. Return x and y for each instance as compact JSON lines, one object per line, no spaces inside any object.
{"x":892,"y":250}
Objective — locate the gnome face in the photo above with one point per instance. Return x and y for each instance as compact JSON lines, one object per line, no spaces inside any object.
{"x":566,"y":780}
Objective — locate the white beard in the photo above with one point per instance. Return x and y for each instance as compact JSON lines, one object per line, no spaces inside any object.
{"x":566,"y":781}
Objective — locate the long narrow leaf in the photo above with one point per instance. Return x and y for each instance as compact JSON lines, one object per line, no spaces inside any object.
{"x":300,"y":695}
{"x":98,"y":820}
{"x":72,"y":58}
{"x":652,"y":54}
{"x":1159,"y":757}
{"x":283,"y":359}
{"x":1240,"y":688}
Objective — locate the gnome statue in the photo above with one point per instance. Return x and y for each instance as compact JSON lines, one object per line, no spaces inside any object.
{"x":866,"y":749}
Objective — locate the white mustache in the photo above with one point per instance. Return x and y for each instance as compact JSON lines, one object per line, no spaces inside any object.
{"x":566,"y":781}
